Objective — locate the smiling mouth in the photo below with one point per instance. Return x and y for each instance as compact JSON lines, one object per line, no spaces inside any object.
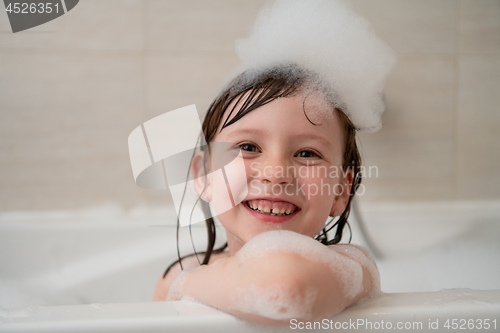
{"x":272,"y":208}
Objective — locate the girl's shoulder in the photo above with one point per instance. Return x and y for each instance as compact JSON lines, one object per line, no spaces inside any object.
{"x":361,"y":255}
{"x":351,"y":250}
{"x":356,"y":252}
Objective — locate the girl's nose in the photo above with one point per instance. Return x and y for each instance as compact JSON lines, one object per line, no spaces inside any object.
{"x":277,"y":170}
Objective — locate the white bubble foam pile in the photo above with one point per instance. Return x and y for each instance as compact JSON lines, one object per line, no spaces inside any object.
{"x":361,"y":255}
{"x":274,"y":302}
{"x":175,"y":290}
{"x":327,"y":38}
{"x":348,"y":272}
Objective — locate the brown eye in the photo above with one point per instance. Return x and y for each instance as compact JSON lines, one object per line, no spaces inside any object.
{"x":307,"y":154}
{"x":249,"y":147}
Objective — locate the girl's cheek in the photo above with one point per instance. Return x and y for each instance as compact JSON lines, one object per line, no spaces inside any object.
{"x":221,"y":200}
{"x":318,"y":186}
{"x":229,"y":186}
{"x":236,"y":177}
{"x":252,"y":178}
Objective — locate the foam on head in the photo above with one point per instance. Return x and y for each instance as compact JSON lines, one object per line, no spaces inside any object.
{"x":286,"y":80}
{"x":326,"y":38}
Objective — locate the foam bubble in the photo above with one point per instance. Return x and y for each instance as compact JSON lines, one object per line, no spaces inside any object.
{"x":361,"y":255}
{"x":348,"y":271}
{"x":328,"y":39}
{"x":274,"y":302}
{"x":279,"y":302}
{"x":16,"y":313}
{"x":18,"y":294}
{"x":175,"y":291}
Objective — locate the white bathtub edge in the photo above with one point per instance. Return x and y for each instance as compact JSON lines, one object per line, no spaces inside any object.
{"x":188,"y":317}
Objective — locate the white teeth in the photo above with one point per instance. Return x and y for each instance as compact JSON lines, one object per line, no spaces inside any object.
{"x":254,"y":205}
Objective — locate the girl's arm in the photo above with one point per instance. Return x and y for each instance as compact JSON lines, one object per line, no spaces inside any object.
{"x":280,"y":286}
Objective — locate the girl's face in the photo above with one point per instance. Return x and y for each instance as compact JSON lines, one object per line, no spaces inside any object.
{"x":293,"y":169}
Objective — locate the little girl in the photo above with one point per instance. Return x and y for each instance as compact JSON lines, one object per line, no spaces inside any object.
{"x":292,"y":113}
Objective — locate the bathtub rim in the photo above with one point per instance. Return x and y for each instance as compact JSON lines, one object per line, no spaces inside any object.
{"x":186,"y":316}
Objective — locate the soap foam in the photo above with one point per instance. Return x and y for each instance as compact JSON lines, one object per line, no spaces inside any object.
{"x":348,"y":271}
{"x":175,"y":291}
{"x":361,"y":255}
{"x":278,"y":302}
{"x":16,"y":313}
{"x":274,"y":302}
{"x":327,"y":38}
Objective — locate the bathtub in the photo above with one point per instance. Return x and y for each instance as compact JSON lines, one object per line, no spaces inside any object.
{"x":95,"y":271}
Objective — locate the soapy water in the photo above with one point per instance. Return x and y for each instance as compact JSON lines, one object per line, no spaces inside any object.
{"x":18,"y":294}
{"x":469,"y":261}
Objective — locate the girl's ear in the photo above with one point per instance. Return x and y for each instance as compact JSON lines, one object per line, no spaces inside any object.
{"x":341,"y":200}
{"x":200,"y":177}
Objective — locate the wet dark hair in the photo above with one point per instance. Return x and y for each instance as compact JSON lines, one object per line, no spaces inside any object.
{"x":251,"y":90}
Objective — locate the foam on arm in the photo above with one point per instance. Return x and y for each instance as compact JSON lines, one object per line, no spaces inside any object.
{"x":278,"y":276}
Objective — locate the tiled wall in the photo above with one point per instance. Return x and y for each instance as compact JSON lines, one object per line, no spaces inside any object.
{"x":441,"y":134}
{"x":72,"y":90}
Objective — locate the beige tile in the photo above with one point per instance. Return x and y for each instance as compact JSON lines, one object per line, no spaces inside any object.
{"x":158,"y":198}
{"x":91,"y":25}
{"x":414,"y":151}
{"x":480,"y":26}
{"x":4,"y":23}
{"x":177,"y":79}
{"x":198,"y":25}
{"x":42,"y":79}
{"x":63,"y":130}
{"x":412,"y":25}
{"x":390,"y":190}
{"x":65,"y":184}
{"x":417,"y":156}
{"x":419,"y":94}
{"x":479,"y":127}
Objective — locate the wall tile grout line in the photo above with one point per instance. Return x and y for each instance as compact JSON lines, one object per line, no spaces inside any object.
{"x":456,"y":96}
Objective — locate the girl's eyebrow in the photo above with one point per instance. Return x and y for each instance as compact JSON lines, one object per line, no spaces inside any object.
{"x":246,"y":131}
{"x":302,"y":137}
{"x":315,"y":137}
